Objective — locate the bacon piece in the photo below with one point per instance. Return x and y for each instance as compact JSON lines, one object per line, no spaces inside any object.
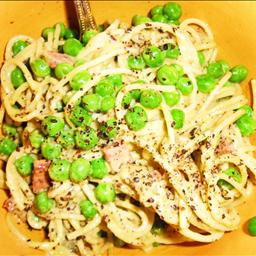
{"x":25,"y":139}
{"x":224,"y":147}
{"x":9,"y":205}
{"x":40,"y":178}
{"x":55,"y":58}
{"x":116,"y":155}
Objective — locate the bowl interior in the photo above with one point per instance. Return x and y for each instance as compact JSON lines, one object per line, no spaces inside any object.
{"x":233,"y":24}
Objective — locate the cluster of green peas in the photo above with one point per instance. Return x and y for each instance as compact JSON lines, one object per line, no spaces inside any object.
{"x":174,"y":75}
{"x":61,"y":170}
{"x":168,"y":13}
{"x":104,"y":193}
{"x":40,"y":67}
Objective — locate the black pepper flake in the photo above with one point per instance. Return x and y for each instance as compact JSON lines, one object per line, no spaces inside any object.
{"x":207,"y":144}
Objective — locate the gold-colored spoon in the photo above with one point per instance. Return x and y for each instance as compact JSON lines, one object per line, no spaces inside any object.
{"x":84,"y":16}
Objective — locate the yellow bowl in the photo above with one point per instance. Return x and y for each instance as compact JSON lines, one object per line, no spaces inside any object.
{"x":233,"y":24}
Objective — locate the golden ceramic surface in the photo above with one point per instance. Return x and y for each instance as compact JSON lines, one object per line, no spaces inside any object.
{"x":233,"y":25}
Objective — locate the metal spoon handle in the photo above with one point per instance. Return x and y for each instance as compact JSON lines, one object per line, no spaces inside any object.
{"x":84,"y":15}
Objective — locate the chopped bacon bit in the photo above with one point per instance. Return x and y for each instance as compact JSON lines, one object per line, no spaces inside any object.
{"x":116,"y":155}
{"x":224,"y":147}
{"x":40,"y":178}
{"x":25,"y":139}
{"x":21,"y":215}
{"x":9,"y":205}
{"x":55,"y":58}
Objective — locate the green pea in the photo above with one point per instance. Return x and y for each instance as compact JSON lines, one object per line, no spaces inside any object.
{"x":79,"y":63}
{"x":72,"y":47}
{"x":79,"y":80}
{"x":246,"y":125}
{"x":136,"y":118}
{"x":66,"y":98}
{"x":172,"y":10}
{"x":62,"y":70}
{"x":107,"y":103}
{"x":7,"y":146}
{"x":86,"y":139}
{"x":179,"y":69}
{"x":185,"y":86}
{"x":251,"y":227}
{"x":217,"y":69}
{"x":36,"y":138}
{"x":173,"y":52}
{"x":159,"y":18}
{"x":115,"y":79}
{"x":9,"y":130}
{"x":91,"y":102}
{"x":52,"y":125}
{"x":118,"y":242}
{"x":18,"y":46}
{"x":17,"y":78}
{"x":205,"y":83}
{"x":173,"y":22}
{"x":136,"y":62}
{"x":105,"y":193}
{"x":239,"y":73}
{"x":248,"y":110}
{"x":136,"y":94}
{"x":155,"y":244}
{"x":178,"y":117}
{"x":233,"y":173}
{"x":59,"y":170}
{"x":43,"y":203}
{"x":109,"y":129}
{"x":127,"y":99}
{"x":88,"y":35}
{"x":70,"y":33}
{"x":50,"y":150}
{"x":79,"y":170}
{"x":153,"y":56}
{"x":24,"y":165}
{"x":62,"y":28}
{"x":201,"y":58}
{"x":171,"y":98}
{"x":225,"y":66}
{"x":66,"y":139}
{"x":87,"y":209}
{"x":80,"y":116}
{"x":158,"y":226}
{"x":158,"y":9}
{"x":46,"y":31}
{"x":139,"y":19}
{"x":150,"y":99}
{"x":104,"y":88}
{"x":99,"y":168}
{"x":40,"y":68}
{"x":167,"y":75}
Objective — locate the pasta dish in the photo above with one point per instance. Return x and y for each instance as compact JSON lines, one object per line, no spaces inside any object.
{"x":134,"y":136}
